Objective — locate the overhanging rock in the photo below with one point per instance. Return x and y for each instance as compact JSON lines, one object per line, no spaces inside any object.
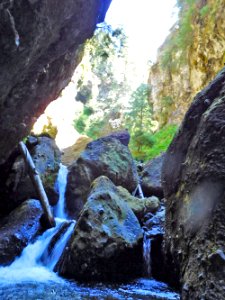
{"x":39,"y":50}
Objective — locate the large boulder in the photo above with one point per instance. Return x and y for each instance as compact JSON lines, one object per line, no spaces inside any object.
{"x":19,"y":228}
{"x":46,"y":157}
{"x":39,"y":50}
{"x":105,"y":156}
{"x":107,"y":240}
{"x":151,"y":177}
{"x":193,"y":181}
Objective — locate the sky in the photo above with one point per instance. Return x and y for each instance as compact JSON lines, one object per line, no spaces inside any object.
{"x":146,"y":23}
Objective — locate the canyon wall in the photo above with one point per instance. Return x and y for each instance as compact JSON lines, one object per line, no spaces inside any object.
{"x":40,"y":46}
{"x":189,"y":59}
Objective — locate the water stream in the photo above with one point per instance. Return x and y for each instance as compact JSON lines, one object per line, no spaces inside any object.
{"x":59,"y":210}
{"x":31,"y":276}
{"x":147,"y":255}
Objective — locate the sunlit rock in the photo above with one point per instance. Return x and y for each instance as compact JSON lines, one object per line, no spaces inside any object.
{"x":186,"y":68}
{"x":105,"y":156}
{"x":139,"y":206}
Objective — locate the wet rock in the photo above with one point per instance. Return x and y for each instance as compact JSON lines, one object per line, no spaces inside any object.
{"x":193,"y":182}
{"x":105,"y":156}
{"x":46,"y":157}
{"x":18,"y":229}
{"x":39,"y":50}
{"x":154,"y":230}
{"x":151,"y":177}
{"x":46,"y":257}
{"x":107,"y":240}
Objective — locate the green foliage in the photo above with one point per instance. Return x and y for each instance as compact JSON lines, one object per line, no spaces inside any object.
{"x":138,"y":121}
{"x":88,"y":111}
{"x":182,"y":38}
{"x":80,"y":125}
{"x":204,"y":11}
{"x":161,"y":140}
{"x":106,"y":84}
{"x":95,"y":129}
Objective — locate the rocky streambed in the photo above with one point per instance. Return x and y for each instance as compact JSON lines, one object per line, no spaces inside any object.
{"x":105,"y":243}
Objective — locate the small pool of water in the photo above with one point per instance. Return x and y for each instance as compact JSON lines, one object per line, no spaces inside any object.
{"x":64,"y":289}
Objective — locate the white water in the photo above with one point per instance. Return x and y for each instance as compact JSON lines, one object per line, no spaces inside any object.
{"x":147,"y":255}
{"x":59,"y":247}
{"x":28,"y":267}
{"x":59,"y":210}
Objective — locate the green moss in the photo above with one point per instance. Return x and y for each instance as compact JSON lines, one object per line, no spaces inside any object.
{"x":48,"y":179}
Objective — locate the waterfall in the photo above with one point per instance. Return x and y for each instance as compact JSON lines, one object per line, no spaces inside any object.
{"x":147,"y":255}
{"x":61,"y":181}
{"x":31,"y":265}
{"x":26,"y":267}
{"x":59,"y":247}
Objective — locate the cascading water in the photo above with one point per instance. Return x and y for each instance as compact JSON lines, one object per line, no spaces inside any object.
{"x":59,"y":247}
{"x":31,"y":277}
{"x":59,"y":210}
{"x":30,"y":265}
{"x":147,"y":255}
{"x":153,"y":228}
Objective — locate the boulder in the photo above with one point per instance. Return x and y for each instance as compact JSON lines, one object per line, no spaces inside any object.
{"x":106,"y":156}
{"x":39,"y":50}
{"x":19,"y":228}
{"x":123,"y":136}
{"x":193,"y":181}
{"x":140,"y":207}
{"x":107,"y":240}
{"x":46,"y":157}
{"x":151,"y":177}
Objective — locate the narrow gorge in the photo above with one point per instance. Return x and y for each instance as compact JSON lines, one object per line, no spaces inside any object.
{"x":134,"y":217}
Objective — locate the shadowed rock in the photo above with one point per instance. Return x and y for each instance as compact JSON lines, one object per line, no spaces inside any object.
{"x":18,"y":229}
{"x":151,"y":177}
{"x":193,"y":181}
{"x":39,"y":50}
{"x":19,"y":187}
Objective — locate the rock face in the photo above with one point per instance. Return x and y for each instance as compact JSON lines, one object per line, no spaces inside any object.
{"x":105,"y":156}
{"x":182,"y":71}
{"x":39,"y":50}
{"x":151,"y":177}
{"x":193,"y":182}
{"x":46,"y":157}
{"x":106,"y":243}
{"x":18,"y":229}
